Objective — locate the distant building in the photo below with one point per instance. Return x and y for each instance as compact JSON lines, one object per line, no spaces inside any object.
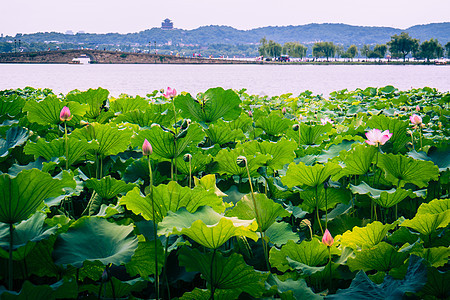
{"x":167,"y":24}
{"x":81,"y":32}
{"x":70,"y":32}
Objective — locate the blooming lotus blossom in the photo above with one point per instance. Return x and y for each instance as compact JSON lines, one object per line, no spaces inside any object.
{"x":147,"y":148}
{"x":326,"y":120}
{"x":65,"y":114}
{"x":170,"y":93}
{"x":327,"y":239}
{"x":375,"y":137}
{"x":415,"y":119}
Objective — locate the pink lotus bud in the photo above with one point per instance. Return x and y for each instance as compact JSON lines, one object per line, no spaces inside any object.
{"x":417,"y":108}
{"x":375,"y":137}
{"x":170,"y":93}
{"x":283,"y":110}
{"x":250,"y":114}
{"x":327,"y":239}
{"x":147,"y":148}
{"x":415,"y":119}
{"x":326,"y":120}
{"x":65,"y":114}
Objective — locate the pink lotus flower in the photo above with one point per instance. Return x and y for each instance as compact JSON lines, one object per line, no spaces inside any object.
{"x":170,"y":93}
{"x":415,"y":119}
{"x":147,"y":148}
{"x":327,"y":239}
{"x":326,"y":120}
{"x":375,"y":137}
{"x":65,"y":114}
{"x":250,"y":114}
{"x":283,"y":110}
{"x":417,"y":108}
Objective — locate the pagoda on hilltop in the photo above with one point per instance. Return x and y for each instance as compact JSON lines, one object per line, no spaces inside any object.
{"x":167,"y":24}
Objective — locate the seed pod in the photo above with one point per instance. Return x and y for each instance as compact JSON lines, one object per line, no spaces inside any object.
{"x":241,"y":161}
{"x":187,"y":157}
{"x":305,"y":223}
{"x":295,"y":127}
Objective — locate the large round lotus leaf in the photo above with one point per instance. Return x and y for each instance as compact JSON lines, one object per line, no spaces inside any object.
{"x":92,"y":239}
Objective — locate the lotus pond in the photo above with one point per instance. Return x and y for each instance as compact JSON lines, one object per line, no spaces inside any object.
{"x":224,"y":195}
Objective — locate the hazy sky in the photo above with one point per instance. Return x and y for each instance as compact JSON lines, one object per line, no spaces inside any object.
{"x":102,"y":16}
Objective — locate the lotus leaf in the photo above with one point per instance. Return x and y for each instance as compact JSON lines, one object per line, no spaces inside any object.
{"x":94,"y":98}
{"x":142,"y":262}
{"x":221,"y":133}
{"x":436,"y":256}
{"x":382,"y":257}
{"x":15,"y":136}
{"x":301,"y":174}
{"x":108,"y":187}
{"x":226,"y":160}
{"x":268,"y":210}
{"x":61,"y":289}
{"x":310,"y":134}
{"x":292,"y":289}
{"x":10,"y":106}
{"x":126,"y":104}
{"x":208,"y":182}
{"x":228,"y":273}
{"x":435,"y":206}
{"x":365,"y":237}
{"x":324,"y":199}
{"x":357,"y":161}
{"x":198,"y":163}
{"x":385,"y":198}
{"x":427,"y":223}
{"x":200,"y":294}
{"x":397,"y":127}
{"x":274,"y":124}
{"x":92,"y":239}
{"x":279,"y":233}
{"x":156,"y":114}
{"x":207,"y":227}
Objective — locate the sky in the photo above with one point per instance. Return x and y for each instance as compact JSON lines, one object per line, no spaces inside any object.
{"x":104,"y":16}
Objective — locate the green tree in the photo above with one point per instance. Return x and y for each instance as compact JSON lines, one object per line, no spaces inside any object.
{"x":447,"y":49}
{"x":294,"y":49}
{"x":380,"y":50}
{"x":352,"y":51}
{"x":431,"y":49}
{"x":402,"y":45}
{"x":263,"y":48}
{"x":274,"y":49}
{"x":324,"y":49}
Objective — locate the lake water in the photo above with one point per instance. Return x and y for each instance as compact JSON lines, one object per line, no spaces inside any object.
{"x":257,"y":79}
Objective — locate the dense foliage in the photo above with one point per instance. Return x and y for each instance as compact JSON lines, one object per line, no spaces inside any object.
{"x":224,"y":195}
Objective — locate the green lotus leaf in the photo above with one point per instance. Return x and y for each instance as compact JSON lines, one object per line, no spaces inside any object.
{"x":47,"y":111}
{"x":436,"y":284}
{"x":220,"y":133}
{"x":282,"y":152}
{"x":216,"y":103}
{"x":163,"y":142}
{"x":334,"y":151}
{"x":208,"y":182}
{"x":142,"y":262}
{"x":138,"y":170}
{"x":439,"y":156}
{"x":15,"y":136}
{"x":56,"y":148}
{"x":323,"y":199}
{"x":10,"y":106}
{"x":40,"y":262}
{"x":226,"y":160}
{"x":24,"y":194}
{"x":25,"y":235}
{"x":279,"y":233}
{"x":435,"y":206}
{"x":365,"y":237}
{"x":363,"y":288}
{"x":198,"y":163}
{"x":108,"y":187}
{"x":312,"y":253}
{"x":170,"y":197}
{"x":92,"y":239}
{"x":385,"y":198}
{"x":357,"y":161}
{"x":121,"y":288}
{"x":274,"y":124}
{"x":111,"y":139}
{"x":94,"y":98}
{"x":387,"y":90}
{"x":400,"y":170}
{"x":161,"y":114}
{"x":436,"y":256}
{"x":201,"y":294}
{"x":292,"y":289}
{"x":126,"y":104}
{"x":301,"y":174}
{"x":382,"y":257}
{"x":426,"y":223}
{"x":243,"y":122}
{"x":310,"y":134}
{"x":207,"y":227}
{"x":268,"y":210}
{"x":228,"y":273}
{"x":305,"y":269}
{"x":65,"y":288}
{"x":397,"y":127}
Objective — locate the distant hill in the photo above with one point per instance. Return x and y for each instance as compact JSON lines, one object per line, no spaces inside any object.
{"x":207,"y":35}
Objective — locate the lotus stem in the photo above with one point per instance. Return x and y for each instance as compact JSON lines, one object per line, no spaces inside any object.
{"x":317,"y":210}
{"x":329,"y":262}
{"x":66,"y":140}
{"x":165,"y":267}
{"x":326,"y":210}
{"x":190,"y":172}
{"x":212,"y":283}
{"x":420,"y":136}
{"x":155,"y":237}
{"x":10,"y":259}
{"x":258,"y":219}
{"x":171,"y":169}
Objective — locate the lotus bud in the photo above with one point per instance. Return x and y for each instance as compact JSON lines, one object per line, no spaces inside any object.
{"x":105,"y":276}
{"x":415,"y":119}
{"x":440,"y":125}
{"x":187,"y":157}
{"x":171,"y":93}
{"x":65,"y":114}
{"x":327,"y":239}
{"x":283,"y":110}
{"x":241,"y":161}
{"x":417,"y":108}
{"x":250,"y":114}
{"x":295,"y":127}
{"x":147,"y":148}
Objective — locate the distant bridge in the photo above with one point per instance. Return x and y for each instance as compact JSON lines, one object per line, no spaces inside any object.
{"x":109,"y":57}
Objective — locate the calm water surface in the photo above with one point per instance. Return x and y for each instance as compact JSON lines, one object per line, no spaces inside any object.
{"x":264,"y":80}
